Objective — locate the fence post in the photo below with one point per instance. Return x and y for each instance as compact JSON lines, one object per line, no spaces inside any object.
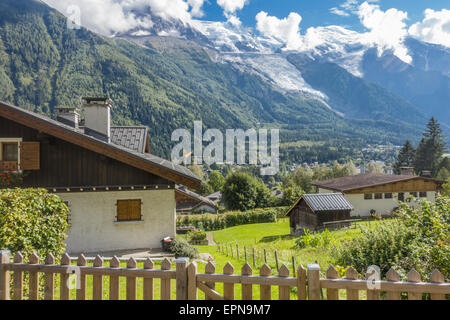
{"x":18,"y":278}
{"x":247,"y":293}
{"x":283,"y":291}
{"x":165,"y":283}
{"x":97,"y":280}
{"x":210,"y":268}
{"x":81,"y":292}
{"x":228,"y":288}
{"x":148,"y":282}
{"x":4,"y":275}
{"x":131,"y":281}
{"x":352,"y":274}
{"x":393,"y":276}
{"x":64,"y":291}
{"x":182,"y":278}
{"x":301,"y":283}
{"x":114,"y":281}
{"x":313,"y":282}
{"x":265,"y":290}
{"x":49,"y":279}
{"x":437,"y":277}
{"x":33,"y":278}
{"x":332,"y":294}
{"x":192,"y":281}
{"x":414,"y":276}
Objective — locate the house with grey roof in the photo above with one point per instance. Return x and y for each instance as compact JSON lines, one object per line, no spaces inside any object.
{"x":379,"y":193}
{"x":119,"y":195}
{"x":189,"y":202}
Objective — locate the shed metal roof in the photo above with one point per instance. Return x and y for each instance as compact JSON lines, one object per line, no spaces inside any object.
{"x":327,"y":201}
{"x":319,"y":202}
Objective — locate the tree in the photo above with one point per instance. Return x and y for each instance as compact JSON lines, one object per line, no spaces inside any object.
{"x":216,"y":181}
{"x":405,"y":157}
{"x":243,"y":192}
{"x":430,"y":150}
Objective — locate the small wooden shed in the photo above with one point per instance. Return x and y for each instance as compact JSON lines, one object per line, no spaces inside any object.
{"x":311,"y":211}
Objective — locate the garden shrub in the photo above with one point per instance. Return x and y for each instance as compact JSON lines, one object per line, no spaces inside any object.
{"x":197,"y":235}
{"x":32,"y":220}
{"x":314,"y":240}
{"x":181,"y":248}
{"x":419,"y":238}
{"x":212,"y":222}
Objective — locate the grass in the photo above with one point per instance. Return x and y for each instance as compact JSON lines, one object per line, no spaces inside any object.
{"x":275,"y":236}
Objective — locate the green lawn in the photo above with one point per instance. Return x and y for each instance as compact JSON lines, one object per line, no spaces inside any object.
{"x":275,"y":237}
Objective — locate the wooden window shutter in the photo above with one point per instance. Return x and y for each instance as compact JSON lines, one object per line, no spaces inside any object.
{"x":128,"y":210}
{"x":30,"y":156}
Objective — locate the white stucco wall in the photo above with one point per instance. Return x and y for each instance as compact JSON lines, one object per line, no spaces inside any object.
{"x":381,"y":206}
{"x":94,"y":229}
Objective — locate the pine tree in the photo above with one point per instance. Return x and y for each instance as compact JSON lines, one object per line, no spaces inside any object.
{"x":431,"y":149}
{"x":405,"y":157}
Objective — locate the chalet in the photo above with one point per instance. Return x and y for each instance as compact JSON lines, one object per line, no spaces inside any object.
{"x":380,"y":193}
{"x":215,"y":197}
{"x":119,"y":195}
{"x":314,"y":211}
{"x":189,"y":202}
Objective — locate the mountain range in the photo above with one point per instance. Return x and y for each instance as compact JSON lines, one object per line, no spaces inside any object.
{"x":328,"y":100}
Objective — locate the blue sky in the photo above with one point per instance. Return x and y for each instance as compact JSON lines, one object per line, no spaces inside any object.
{"x":317,"y":12}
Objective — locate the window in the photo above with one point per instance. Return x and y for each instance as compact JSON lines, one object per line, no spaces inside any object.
{"x":378,"y":196}
{"x":423,"y":194}
{"x":129,"y":210}
{"x":10,"y":151}
{"x":388,"y":195}
{"x":368,"y":196}
{"x":401,"y":196}
{"x":414,"y":194}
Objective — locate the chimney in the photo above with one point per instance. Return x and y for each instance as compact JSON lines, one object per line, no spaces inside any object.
{"x":68,"y":116}
{"x":406,"y":171}
{"x":426,"y":174}
{"x":97,"y":114}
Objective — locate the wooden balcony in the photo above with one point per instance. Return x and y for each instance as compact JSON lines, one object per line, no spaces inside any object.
{"x":9,"y":166}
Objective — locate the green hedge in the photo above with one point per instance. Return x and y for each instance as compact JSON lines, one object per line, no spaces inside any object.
{"x":211,"y":222}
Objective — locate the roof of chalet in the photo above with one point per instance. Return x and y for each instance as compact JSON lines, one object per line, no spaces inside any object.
{"x":198,"y":198}
{"x":216,"y":195}
{"x":144,"y":161}
{"x":364,"y":181}
{"x":319,"y":202}
{"x":134,"y":138}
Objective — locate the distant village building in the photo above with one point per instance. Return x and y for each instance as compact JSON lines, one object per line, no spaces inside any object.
{"x":380,"y":193}
{"x":278,"y":193}
{"x":189,"y":202}
{"x":215,"y":197}
{"x":119,"y":195}
{"x":314,"y":211}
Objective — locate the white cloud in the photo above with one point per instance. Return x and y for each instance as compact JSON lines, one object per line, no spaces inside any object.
{"x":286,"y":30}
{"x":387,"y":29}
{"x":110,"y":16}
{"x":339,"y":12}
{"x":231,"y":6}
{"x":434,"y":28}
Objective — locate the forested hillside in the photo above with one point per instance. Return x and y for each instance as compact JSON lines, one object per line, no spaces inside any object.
{"x":166,"y":85}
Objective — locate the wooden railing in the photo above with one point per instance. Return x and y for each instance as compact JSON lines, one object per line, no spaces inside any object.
{"x":308,"y":283}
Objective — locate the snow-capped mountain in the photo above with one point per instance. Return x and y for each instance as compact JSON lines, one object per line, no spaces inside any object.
{"x":267,"y":57}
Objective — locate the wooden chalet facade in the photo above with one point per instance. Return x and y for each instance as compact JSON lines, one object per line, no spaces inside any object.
{"x":380,"y":193}
{"x":119,"y":195}
{"x":313,"y":211}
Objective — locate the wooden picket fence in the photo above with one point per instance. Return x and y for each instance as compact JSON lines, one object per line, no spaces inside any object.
{"x":308,"y":282}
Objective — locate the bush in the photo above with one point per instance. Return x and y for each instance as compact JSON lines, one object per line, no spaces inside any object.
{"x":319,"y":239}
{"x":180,"y":248}
{"x":212,"y":222}
{"x":197,"y":235}
{"x":419,"y":238}
{"x":32,"y":220}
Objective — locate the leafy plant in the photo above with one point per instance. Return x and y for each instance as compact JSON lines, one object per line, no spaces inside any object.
{"x":32,"y":220}
{"x":197,"y":235}
{"x":314,"y":240}
{"x":181,"y":248}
